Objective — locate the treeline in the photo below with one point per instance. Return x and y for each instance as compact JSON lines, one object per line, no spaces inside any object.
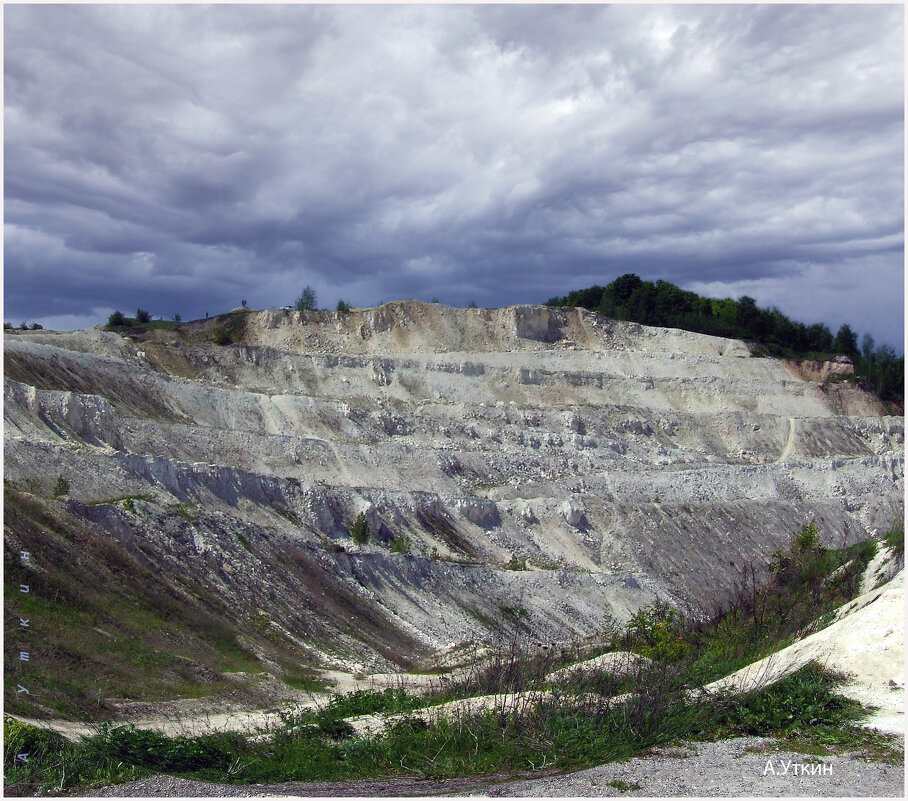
{"x":664,"y":304}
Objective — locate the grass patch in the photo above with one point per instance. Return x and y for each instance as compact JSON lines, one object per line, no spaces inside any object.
{"x":895,"y":539}
{"x":306,"y":682}
{"x":561,"y":732}
{"x":55,"y":765}
{"x":110,"y":628}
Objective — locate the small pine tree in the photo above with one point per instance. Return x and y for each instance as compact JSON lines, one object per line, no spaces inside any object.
{"x":306,"y":301}
{"x":343,"y":307}
{"x":61,"y":487}
{"x":143,"y":316}
{"x":117,"y":318}
{"x":360,"y":530}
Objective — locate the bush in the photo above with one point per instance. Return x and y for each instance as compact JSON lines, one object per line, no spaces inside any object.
{"x":360,"y":530}
{"x":307,"y":300}
{"x":7,"y":326}
{"x":143,"y":316}
{"x":400,"y":544}
{"x":152,"y":749}
{"x":656,"y":632}
{"x":37,"y":327}
{"x":61,"y":487}
{"x":117,"y":318}
{"x":220,"y":335}
{"x":343,"y":307}
{"x":177,"y":318}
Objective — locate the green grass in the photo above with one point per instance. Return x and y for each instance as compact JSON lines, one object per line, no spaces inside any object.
{"x":623,"y":786}
{"x":895,"y":539}
{"x":110,"y":629}
{"x":563,"y":732}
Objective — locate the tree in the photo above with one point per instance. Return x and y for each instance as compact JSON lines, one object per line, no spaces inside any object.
{"x":342,"y":307}
{"x":116,"y":318}
{"x":177,"y":318}
{"x":867,"y":344}
{"x":360,"y":530}
{"x":143,"y":316}
{"x":306,"y":301}
{"x":846,"y":341}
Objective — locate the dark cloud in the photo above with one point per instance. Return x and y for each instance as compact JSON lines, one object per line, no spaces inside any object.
{"x":184,"y":157}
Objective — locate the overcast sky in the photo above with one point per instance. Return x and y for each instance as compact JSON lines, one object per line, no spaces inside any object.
{"x":182,"y":158}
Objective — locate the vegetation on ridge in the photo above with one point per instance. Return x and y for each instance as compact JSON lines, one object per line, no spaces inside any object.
{"x":664,"y":304}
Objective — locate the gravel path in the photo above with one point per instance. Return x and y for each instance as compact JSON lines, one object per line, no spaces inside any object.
{"x":727,"y":768}
{"x":731,"y":768}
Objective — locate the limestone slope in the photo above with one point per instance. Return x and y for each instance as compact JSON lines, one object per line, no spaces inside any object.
{"x":524,"y":470}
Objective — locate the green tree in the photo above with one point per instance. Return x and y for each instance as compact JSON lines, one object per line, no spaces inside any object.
{"x":117,"y":318}
{"x":360,"y":530}
{"x":143,"y":316}
{"x":61,"y":487}
{"x":307,"y":300}
{"x":343,"y":307}
{"x":867,"y":344}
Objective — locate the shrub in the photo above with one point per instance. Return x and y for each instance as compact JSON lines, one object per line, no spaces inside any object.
{"x":61,"y":487}
{"x":400,"y":544}
{"x":7,"y":326}
{"x":343,"y":307}
{"x":307,"y":300}
{"x":220,"y":336}
{"x":177,"y":318}
{"x":145,"y":748}
{"x":895,"y":539}
{"x":37,"y":327}
{"x":143,"y":316}
{"x":657,"y":632}
{"x":117,"y":318}
{"x":360,"y":530}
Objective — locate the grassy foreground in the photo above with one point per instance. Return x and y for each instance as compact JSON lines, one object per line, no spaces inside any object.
{"x":582,"y":718}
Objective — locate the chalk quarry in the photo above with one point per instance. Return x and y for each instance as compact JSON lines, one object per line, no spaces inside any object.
{"x":523,"y":471}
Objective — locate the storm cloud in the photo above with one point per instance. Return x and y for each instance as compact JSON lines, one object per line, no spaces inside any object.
{"x":182,"y":158}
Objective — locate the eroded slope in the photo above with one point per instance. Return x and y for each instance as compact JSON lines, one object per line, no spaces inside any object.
{"x":524,"y":469}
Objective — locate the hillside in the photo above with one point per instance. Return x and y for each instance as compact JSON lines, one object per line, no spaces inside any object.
{"x":188,"y":505}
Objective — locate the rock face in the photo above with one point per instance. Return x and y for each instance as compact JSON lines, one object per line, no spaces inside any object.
{"x":619,"y":464}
